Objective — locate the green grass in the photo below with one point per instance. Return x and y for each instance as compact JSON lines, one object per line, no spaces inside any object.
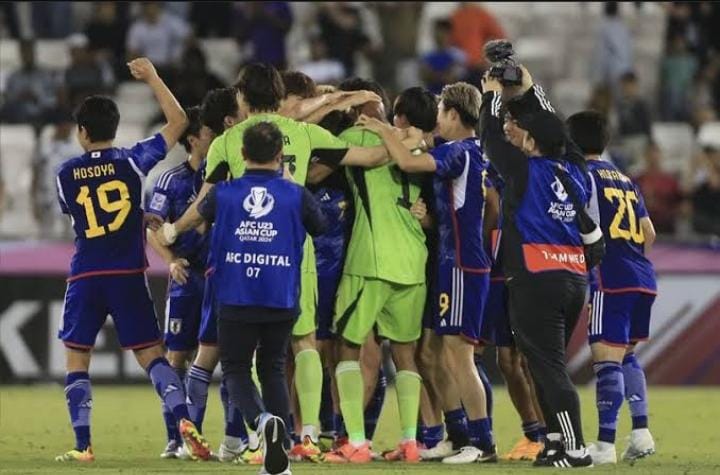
{"x":128,"y":434}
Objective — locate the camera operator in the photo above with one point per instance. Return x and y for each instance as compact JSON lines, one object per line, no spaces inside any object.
{"x":545,"y":236}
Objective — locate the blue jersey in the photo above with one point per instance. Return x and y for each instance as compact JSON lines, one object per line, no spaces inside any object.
{"x":173,"y":193}
{"x":624,"y":267}
{"x":459,"y":189}
{"x":330,"y":246}
{"x":258,"y":241}
{"x":545,"y":218}
{"x":102,"y":191}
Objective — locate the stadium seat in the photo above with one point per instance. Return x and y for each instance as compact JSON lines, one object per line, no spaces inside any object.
{"x":223,"y":57}
{"x":710,"y":133}
{"x":570,"y":95}
{"x":17,"y":146}
{"x":676,"y":141}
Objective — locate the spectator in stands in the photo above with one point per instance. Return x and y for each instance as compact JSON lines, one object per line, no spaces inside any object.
{"x":677,"y":72}
{"x":9,"y":24}
{"x":398,"y":23}
{"x":702,"y":101}
{"x":444,"y":65}
{"x":341,"y":28}
{"x":706,"y":195}
{"x":633,"y":112}
{"x":613,"y":53}
{"x":159,"y":36}
{"x":472,"y":27}
{"x":265,"y":25}
{"x":321,"y":68}
{"x":661,"y":190}
{"x":194,"y":79}
{"x":106,"y":33}
{"x":53,"y":150}
{"x":86,"y":75}
{"x":30,"y":91}
{"x":52,"y":19}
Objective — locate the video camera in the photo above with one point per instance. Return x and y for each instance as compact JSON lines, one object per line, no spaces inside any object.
{"x":504,"y":68}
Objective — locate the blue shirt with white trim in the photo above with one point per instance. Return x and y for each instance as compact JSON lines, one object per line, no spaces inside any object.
{"x":102,"y":191}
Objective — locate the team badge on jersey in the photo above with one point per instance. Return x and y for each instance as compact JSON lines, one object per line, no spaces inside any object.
{"x":175,"y":326}
{"x":158,"y":201}
{"x":259,"y":202}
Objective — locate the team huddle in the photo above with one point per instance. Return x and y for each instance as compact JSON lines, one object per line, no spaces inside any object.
{"x":309,"y":224}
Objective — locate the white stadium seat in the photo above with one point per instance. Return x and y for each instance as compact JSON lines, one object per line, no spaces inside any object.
{"x":676,"y":141}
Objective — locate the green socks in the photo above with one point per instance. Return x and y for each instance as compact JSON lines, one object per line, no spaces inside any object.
{"x":351,"y":388}
{"x":407,"y":384}
{"x":308,"y":383}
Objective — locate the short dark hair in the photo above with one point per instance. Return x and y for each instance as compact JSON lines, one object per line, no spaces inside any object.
{"x":218,"y":104}
{"x":336,"y":122}
{"x":261,"y":87}
{"x":99,"y":116}
{"x":298,"y":84}
{"x":419,"y":106}
{"x":193,"y":128}
{"x":589,"y":130}
{"x":262,"y":142}
{"x":360,"y":84}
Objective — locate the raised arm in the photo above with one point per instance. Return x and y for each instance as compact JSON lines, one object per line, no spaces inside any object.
{"x":176,"y":120}
{"x":399,"y":151}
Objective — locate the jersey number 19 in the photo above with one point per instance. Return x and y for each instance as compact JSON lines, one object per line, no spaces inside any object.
{"x":121,"y":206}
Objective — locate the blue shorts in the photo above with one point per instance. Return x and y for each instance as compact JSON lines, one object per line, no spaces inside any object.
{"x":496,"y":320}
{"x":619,"y":319}
{"x":208,"y":321}
{"x":183,"y":310}
{"x":126,"y":298}
{"x":327,"y":291}
{"x":460,"y":302}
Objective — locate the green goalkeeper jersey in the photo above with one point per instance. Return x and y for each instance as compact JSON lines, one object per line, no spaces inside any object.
{"x":300,"y":142}
{"x":387,"y":241}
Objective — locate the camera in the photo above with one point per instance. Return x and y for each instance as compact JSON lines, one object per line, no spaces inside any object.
{"x":504,"y":68}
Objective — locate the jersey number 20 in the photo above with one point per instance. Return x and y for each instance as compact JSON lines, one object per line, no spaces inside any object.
{"x":120,"y":206}
{"x":626,"y":200}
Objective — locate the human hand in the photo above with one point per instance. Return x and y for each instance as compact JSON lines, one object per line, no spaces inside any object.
{"x":178,"y":270}
{"x":152,"y":221}
{"x":490,"y":84}
{"x":166,"y":234}
{"x":372,"y":124}
{"x":419,"y":209}
{"x":142,"y":69}
{"x":358,"y":98}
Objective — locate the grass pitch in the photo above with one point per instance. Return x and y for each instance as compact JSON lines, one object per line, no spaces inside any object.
{"x":128,"y":434}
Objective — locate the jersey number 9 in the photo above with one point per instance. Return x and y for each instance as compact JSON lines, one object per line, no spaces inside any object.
{"x":626,"y":200}
{"x":121,"y":206}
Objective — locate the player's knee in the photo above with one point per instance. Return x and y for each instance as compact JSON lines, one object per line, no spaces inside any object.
{"x":604,"y":352}
{"x":404,"y":356}
{"x":178,"y":359}
{"x":304,"y":342}
{"x":145,"y":356}
{"x":207,"y":357}
{"x":77,"y":360}
{"x":428,"y":359}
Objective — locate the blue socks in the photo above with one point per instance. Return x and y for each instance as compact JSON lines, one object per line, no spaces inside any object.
{"x":480,"y":434}
{"x":456,"y":426}
{"x":431,"y":435}
{"x":170,"y":423}
{"x":372,"y":411}
{"x":169,"y":387}
{"x":533,"y":431}
{"x":234,"y":423}
{"x":609,"y":394}
{"x":635,"y":391}
{"x":79,"y":400}
{"x":198,"y":382}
